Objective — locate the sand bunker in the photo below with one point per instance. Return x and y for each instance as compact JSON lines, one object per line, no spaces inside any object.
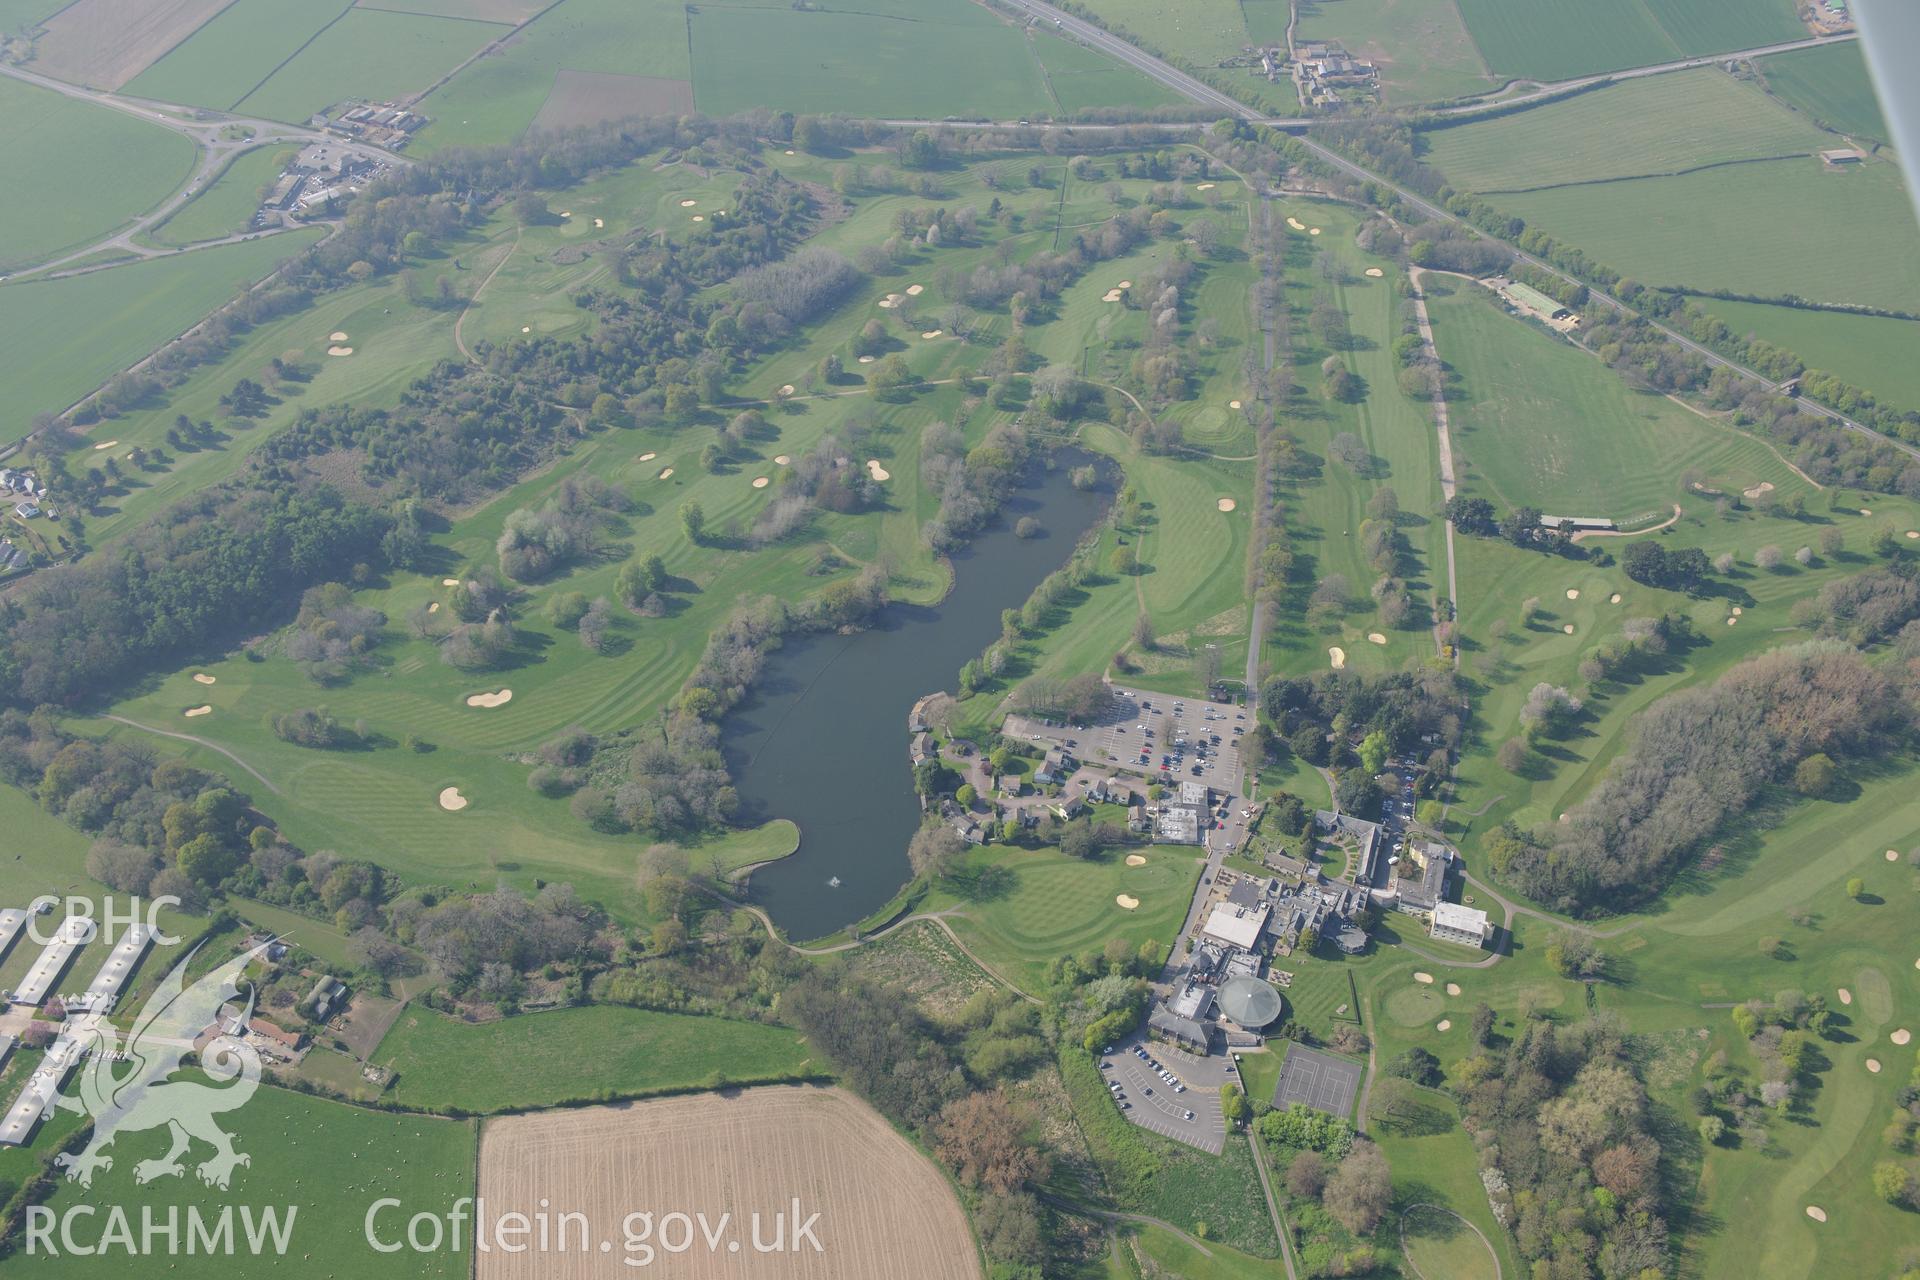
{"x":105,"y":444}
{"x":201,"y":677}
{"x":1136,"y":860}
{"x":1738,"y":610}
{"x":877,"y":471}
{"x":1902,"y":1036}
{"x":1337,"y":656}
{"x":452,"y":801}
{"x":449,"y":582}
{"x":786,"y":388}
{"x":1893,"y":855}
{"x":566,"y":213}
{"x":699,"y":217}
{"x":1111,"y":295}
{"x":1313,"y":231}
{"x":1732,"y":621}
{"x":1614,"y":598}
{"x":1846,"y":996}
{"x":760,"y":482}
{"x":526,"y":328}
{"x":1453,"y":988}
{"x":1226,"y":504}
{"x":1420,"y":976}
{"x":1127,"y":901}
{"x":1573,"y":593}
{"x":1568,"y":628}
{"x":1873,"y":1065}
{"x":648,"y":457}
{"x":1205,"y":186}
{"x":1445,"y":1024}
{"x":498,"y":699}
{"x":198,"y":711}
{"x":1815,"y":1212}
{"x":866,"y":359}
{"x":1296,"y":224}
{"x":781,"y":459}
{"x":1376,"y":637}
{"x":667,"y":474}
{"x":434,"y":607}
{"x":1866,"y":511}
{"x":789,"y":153}
{"x":915,"y":290}
{"x":338,"y":335}
{"x":1233,"y":404}
{"x":1765,"y":486}
{"x":931,"y":333}
{"x":688,"y":204}
{"x":1375,"y":272}
{"x":339,"y":351}
{"x":1124,"y":284}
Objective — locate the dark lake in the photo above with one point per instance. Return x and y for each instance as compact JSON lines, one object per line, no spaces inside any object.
{"x":823,"y":739}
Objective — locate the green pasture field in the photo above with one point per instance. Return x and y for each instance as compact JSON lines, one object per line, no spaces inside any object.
{"x":234,"y":54}
{"x":1202,"y":34}
{"x":227,"y":205}
{"x":589,"y":1053}
{"x":1652,"y":125}
{"x":1057,"y":905}
{"x":1537,"y":421}
{"x":510,"y":12}
{"x":1421,"y":47}
{"x":50,"y":139}
{"x":17,"y":15}
{"x":1830,"y":85}
{"x":1747,"y":228}
{"x":1550,"y":40}
{"x":1180,"y":1258}
{"x":900,"y":58}
{"x":370,"y":53}
{"x":495,"y":99}
{"x":64,"y":337}
{"x":1874,"y":352}
{"x":326,"y":1161}
{"x":1081,"y":79}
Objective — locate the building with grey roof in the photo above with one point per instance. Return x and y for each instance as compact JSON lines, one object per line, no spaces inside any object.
{"x":74,"y":933}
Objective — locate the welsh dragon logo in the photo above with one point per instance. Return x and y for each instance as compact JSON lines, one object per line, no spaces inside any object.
{"x":128,"y":1087}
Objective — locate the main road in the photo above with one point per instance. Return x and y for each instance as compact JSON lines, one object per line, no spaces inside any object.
{"x":1204,"y":94}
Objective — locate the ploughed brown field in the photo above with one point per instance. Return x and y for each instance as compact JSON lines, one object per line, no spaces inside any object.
{"x":885,"y":1211}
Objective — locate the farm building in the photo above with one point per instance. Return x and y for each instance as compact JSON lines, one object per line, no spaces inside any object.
{"x":104,"y":991}
{"x":1455,"y":923}
{"x":73,"y":934}
{"x":13,"y":922}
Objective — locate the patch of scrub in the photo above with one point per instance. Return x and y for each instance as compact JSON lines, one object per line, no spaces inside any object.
{"x":452,"y":801}
{"x":498,"y":698}
{"x":198,"y":711}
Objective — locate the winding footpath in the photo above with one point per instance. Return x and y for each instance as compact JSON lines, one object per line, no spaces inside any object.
{"x":198,"y":742}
